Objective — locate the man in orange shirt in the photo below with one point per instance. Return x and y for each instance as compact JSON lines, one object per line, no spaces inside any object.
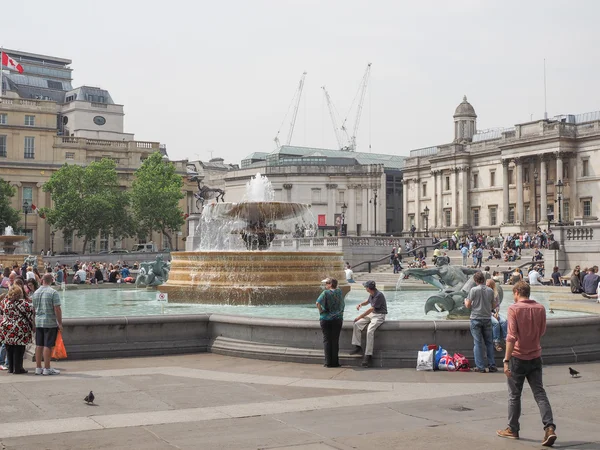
{"x":523,"y":359}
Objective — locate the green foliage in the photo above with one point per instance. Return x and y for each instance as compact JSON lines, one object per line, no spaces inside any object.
{"x":155,"y":196}
{"x":89,"y":201}
{"x":9,"y":216}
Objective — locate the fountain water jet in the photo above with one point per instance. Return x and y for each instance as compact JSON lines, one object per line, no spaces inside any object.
{"x":8,"y":239}
{"x":234,"y":264}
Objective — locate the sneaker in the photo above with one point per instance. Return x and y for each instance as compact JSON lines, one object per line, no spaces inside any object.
{"x":357,"y":350}
{"x":51,"y":372}
{"x":549,"y":437}
{"x":39,"y":371}
{"x":475,"y":369}
{"x":508,"y":433}
{"x":366,"y":362}
{"x":493,"y":369}
{"x":3,"y":367}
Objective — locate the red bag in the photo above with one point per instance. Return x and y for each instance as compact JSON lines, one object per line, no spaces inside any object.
{"x":462,"y":363}
{"x":59,"y":351}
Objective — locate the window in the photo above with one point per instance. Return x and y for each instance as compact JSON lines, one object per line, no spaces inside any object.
{"x":511,"y":214}
{"x":341,"y":196}
{"x":3,"y":120}
{"x":493,"y":216}
{"x":54,"y":84}
{"x":492,"y":178}
{"x":29,"y":121}
{"x":68,"y":242}
{"x":448,"y":217}
{"x":510,"y":176}
{"x":2,"y":146}
{"x":475,"y":217}
{"x":475,"y":181}
{"x":92,"y":246}
{"x":70,"y":155}
{"x":587,"y":208}
{"x":316,"y":196}
{"x":585,"y":170}
{"x":526,"y":175}
{"x":527,"y":214}
{"x":447,"y":183}
{"x":411,"y":220}
{"x":566,"y":217}
{"x":424,"y":190}
{"x":70,"y":98}
{"x":29,"y":147}
{"x":28,"y":194}
{"x":104,"y":242}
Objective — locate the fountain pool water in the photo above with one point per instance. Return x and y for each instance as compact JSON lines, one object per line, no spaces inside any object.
{"x":404,"y":305}
{"x":8,"y":240}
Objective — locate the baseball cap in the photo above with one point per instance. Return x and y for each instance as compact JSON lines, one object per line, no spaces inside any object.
{"x":326,"y":280}
{"x":369,"y":284}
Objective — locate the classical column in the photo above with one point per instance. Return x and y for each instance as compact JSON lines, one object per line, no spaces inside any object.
{"x":440,"y":205}
{"x":505,"y":183}
{"x":520,"y":207}
{"x":365,"y":211}
{"x":350,"y":219}
{"x":464,"y":171}
{"x":559,"y":176}
{"x":417,"y":204}
{"x":434,"y":211}
{"x":543,"y":191}
{"x":331,"y":203}
{"x":405,"y":226}
{"x":573,"y":200}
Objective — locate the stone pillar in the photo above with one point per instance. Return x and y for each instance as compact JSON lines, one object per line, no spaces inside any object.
{"x":543,"y":191}
{"x":559,"y":176}
{"x":464,"y":171}
{"x":505,"y":198}
{"x":455,"y":219}
{"x":331,"y":203}
{"x":520,"y":206}
{"x":364,"y":211}
{"x":405,"y":225}
{"x":573,"y":200}
{"x":440,"y":206}
{"x":434,"y":211}
{"x":350,"y":219}
{"x":417,"y":203}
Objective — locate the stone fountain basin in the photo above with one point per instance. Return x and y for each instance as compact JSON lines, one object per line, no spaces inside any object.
{"x":257,"y":212}
{"x":252,"y":277}
{"x":12,"y":238}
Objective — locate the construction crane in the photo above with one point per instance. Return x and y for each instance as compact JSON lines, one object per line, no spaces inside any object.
{"x":333,"y":114}
{"x":296,"y":103}
{"x":360,"y":94}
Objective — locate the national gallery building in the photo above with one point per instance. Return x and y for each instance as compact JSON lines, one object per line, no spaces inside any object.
{"x":503,"y":181}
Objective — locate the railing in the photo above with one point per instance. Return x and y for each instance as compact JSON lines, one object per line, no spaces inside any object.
{"x":72,"y":141}
{"x":99,"y":105}
{"x":579,"y":233}
{"x":405,"y":253}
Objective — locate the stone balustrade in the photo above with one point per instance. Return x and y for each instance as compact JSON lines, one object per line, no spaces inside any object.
{"x":81,"y":142}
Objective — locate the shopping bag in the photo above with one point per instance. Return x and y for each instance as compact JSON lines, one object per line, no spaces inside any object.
{"x":59,"y":351}
{"x":447,"y":363}
{"x":425,"y":360}
{"x":461,"y":363}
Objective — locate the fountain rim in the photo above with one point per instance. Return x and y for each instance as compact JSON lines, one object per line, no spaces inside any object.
{"x":255,"y":252}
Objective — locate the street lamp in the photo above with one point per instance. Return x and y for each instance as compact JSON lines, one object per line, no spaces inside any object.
{"x":374,"y":201}
{"x":426,"y":216}
{"x":27,"y":210}
{"x":344,"y":208}
{"x":52,"y":234}
{"x":559,"y":196}
{"x":535,"y":178}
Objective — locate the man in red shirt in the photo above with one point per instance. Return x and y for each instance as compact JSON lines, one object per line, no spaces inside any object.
{"x":523,"y":359}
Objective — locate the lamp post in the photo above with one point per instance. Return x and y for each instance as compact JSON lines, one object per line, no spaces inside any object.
{"x":559,"y":196}
{"x":374,"y":201}
{"x":535,"y":178}
{"x":177,"y":234}
{"x":344,"y":208}
{"x":26,"y":211}
{"x":52,"y":234}
{"x":426,"y":216}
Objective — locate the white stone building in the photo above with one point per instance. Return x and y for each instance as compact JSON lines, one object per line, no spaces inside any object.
{"x":505,"y":180}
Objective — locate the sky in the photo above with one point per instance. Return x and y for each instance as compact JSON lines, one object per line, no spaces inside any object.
{"x":216,"y":78}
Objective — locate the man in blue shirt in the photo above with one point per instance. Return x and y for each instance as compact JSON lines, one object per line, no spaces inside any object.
{"x":464,"y":252}
{"x":124,"y":272}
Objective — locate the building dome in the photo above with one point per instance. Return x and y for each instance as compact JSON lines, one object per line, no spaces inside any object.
{"x":465,"y":109}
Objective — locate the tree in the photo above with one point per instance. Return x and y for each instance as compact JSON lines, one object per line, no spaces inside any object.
{"x":9,"y":216}
{"x":89,"y":201}
{"x":155,"y":196}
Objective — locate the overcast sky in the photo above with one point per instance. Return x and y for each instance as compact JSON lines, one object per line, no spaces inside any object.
{"x":219,"y":76}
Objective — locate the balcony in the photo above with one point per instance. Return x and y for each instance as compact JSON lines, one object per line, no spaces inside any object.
{"x":27,"y":105}
{"x":101,"y":144}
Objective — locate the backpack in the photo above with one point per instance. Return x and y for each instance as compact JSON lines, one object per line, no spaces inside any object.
{"x":461,"y":363}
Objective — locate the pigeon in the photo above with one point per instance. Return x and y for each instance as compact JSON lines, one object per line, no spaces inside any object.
{"x":551,"y":311}
{"x":574,"y":373}
{"x":89,"y":398}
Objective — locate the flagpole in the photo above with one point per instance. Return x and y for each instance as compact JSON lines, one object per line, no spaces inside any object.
{"x":1,"y":66}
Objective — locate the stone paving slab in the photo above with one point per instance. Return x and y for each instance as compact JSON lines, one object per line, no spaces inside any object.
{"x":218,"y":402}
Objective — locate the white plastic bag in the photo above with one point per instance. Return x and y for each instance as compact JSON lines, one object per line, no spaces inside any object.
{"x":425,"y":360}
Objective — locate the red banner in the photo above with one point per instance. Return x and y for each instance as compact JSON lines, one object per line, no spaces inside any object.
{"x":321,"y":220}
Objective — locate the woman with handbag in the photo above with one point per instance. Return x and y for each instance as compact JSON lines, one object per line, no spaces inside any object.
{"x":16,"y":327}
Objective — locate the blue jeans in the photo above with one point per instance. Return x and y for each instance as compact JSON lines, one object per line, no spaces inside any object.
{"x":481,"y":330}
{"x":499,"y":328}
{"x":3,"y":356}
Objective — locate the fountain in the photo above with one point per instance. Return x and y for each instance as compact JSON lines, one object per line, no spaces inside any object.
{"x":8,"y":239}
{"x":235,"y":265}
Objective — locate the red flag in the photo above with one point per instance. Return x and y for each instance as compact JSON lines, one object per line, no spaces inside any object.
{"x":9,"y":62}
